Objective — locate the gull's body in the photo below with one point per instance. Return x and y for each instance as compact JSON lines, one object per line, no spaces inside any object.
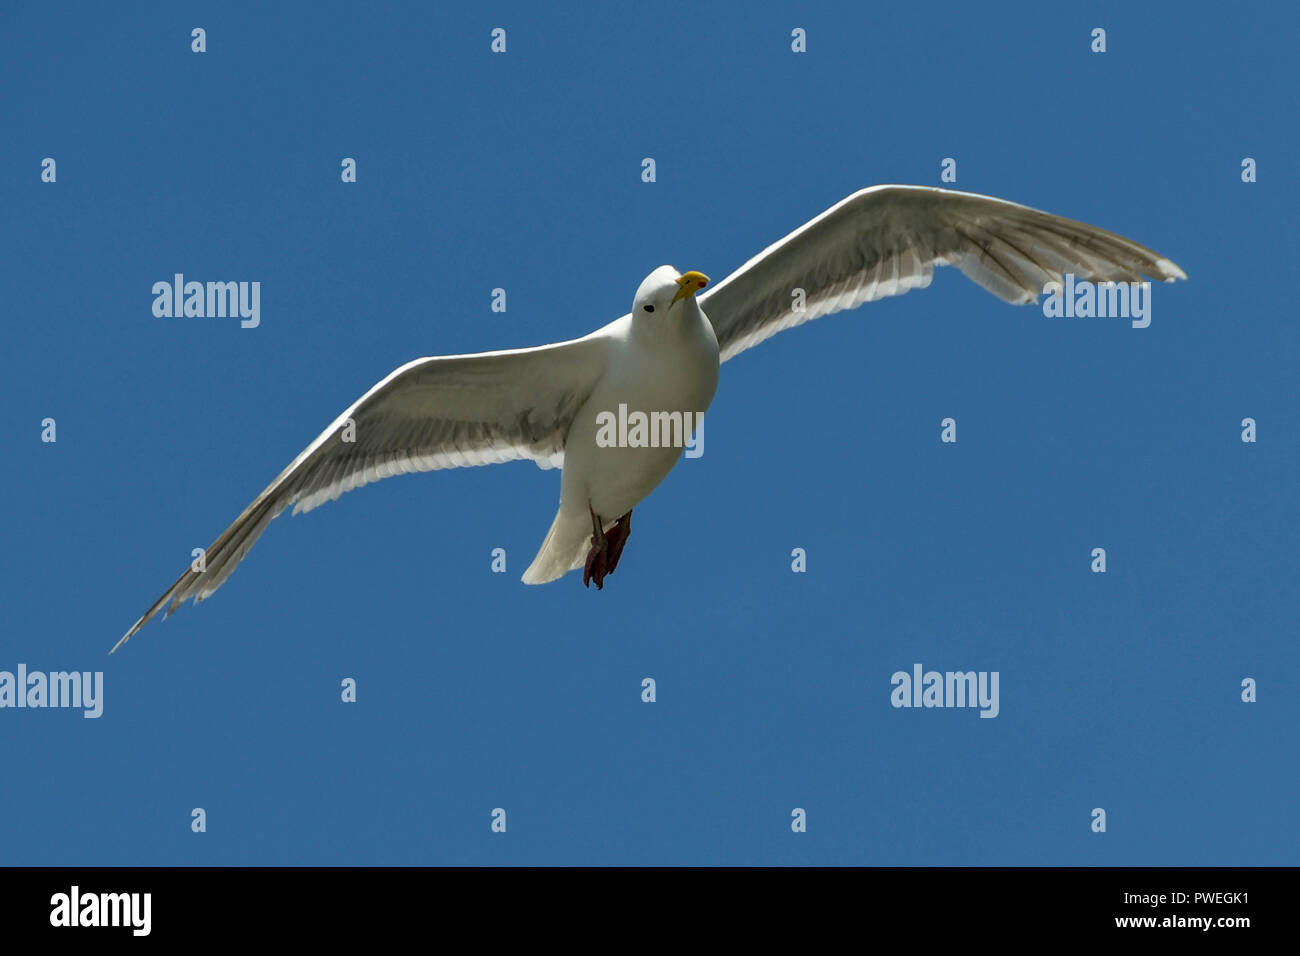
{"x":649,"y":365}
{"x":543,"y":403}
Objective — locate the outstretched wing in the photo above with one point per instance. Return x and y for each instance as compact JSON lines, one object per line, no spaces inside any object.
{"x":886,"y":240}
{"x":443,"y":412}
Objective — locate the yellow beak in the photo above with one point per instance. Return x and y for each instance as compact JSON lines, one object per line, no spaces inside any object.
{"x":689,"y":284}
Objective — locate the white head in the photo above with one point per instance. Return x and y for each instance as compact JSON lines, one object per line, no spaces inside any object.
{"x":663,"y":289}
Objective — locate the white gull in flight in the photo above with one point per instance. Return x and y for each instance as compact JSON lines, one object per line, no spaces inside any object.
{"x":546,"y":403}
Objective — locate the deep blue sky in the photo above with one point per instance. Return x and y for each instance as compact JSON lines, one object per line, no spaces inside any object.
{"x":522,"y":171}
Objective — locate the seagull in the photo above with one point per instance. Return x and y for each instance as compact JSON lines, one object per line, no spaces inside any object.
{"x":553,"y":404}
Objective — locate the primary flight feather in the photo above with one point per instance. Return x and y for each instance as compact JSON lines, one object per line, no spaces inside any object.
{"x":547,"y":403}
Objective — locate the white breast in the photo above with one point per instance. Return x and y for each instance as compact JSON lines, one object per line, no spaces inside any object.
{"x":661,"y":375}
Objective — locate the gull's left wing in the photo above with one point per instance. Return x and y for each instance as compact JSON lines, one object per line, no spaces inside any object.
{"x":449,"y":411}
{"x":885,"y":240}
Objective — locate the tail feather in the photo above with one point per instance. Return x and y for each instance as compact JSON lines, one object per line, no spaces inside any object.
{"x":563,"y":550}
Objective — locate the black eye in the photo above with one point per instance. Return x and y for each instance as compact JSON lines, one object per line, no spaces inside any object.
{"x":648,"y":308}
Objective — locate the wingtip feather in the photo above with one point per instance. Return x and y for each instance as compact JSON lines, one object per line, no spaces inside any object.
{"x":1169,"y":271}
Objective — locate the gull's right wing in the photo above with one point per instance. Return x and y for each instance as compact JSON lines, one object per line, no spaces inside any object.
{"x":885,"y":240}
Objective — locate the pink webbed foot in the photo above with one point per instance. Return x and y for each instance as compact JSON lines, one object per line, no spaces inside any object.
{"x":606,"y":549}
{"x":615,"y":538}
